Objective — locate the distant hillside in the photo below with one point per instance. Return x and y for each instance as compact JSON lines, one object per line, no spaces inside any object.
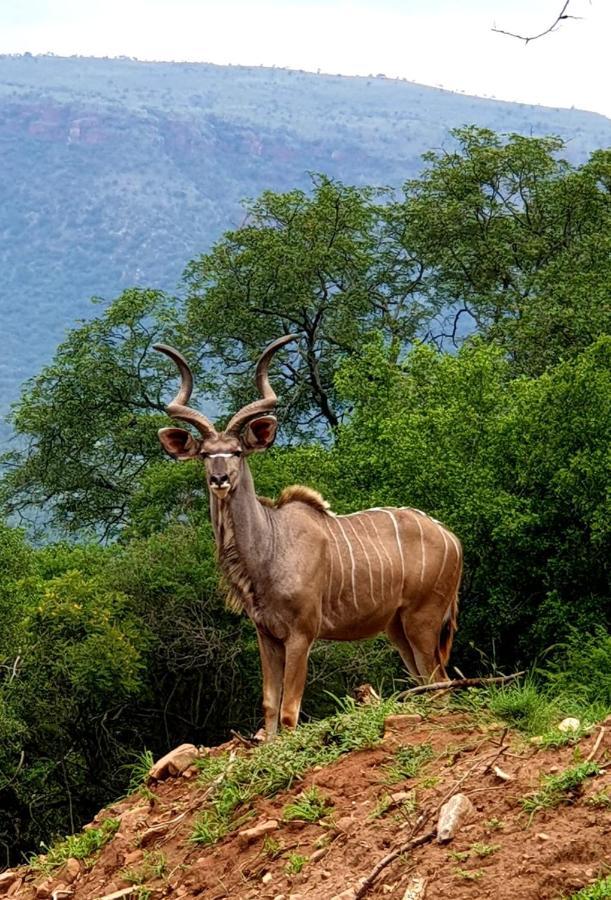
{"x":117,"y":172}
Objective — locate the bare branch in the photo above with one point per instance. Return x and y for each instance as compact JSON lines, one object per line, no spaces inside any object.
{"x":562,"y":15}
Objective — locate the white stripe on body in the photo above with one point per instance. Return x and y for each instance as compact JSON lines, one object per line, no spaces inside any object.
{"x":367,"y":558}
{"x":352,"y":562}
{"x":341,"y":563}
{"x":394,"y":522}
{"x":374,"y":545}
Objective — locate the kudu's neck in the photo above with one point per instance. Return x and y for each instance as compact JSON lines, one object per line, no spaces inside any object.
{"x":243,"y":516}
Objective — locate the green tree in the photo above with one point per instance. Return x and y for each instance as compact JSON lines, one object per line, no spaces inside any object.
{"x":325,"y":265}
{"x":515,"y":241}
{"x":88,"y":422}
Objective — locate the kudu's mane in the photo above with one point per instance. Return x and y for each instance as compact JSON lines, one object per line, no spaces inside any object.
{"x":298,"y":493}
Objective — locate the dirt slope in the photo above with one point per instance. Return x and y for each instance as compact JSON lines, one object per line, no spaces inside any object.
{"x":501,"y":853}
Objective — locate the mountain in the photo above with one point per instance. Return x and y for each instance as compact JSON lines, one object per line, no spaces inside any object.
{"x":116,"y":172}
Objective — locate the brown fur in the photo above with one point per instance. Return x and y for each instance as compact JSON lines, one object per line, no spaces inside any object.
{"x":299,"y":493}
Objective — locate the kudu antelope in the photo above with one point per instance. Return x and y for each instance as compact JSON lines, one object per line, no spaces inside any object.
{"x":301,"y":572}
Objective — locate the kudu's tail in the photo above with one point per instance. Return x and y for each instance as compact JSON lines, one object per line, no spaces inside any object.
{"x":448,"y":629}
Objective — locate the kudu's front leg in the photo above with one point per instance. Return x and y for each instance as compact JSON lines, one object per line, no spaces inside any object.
{"x":272,"y":669}
{"x":297,"y":650}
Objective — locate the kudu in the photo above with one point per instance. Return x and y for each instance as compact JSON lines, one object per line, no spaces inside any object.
{"x":301,"y":572}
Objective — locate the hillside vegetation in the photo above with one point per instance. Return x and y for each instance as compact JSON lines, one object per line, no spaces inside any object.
{"x":115,"y":644}
{"x":116,"y":172}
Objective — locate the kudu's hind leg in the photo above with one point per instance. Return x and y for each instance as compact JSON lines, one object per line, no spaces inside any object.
{"x":396,"y":635}
{"x":272,"y":668}
{"x":422,"y":635}
{"x":297,"y":650}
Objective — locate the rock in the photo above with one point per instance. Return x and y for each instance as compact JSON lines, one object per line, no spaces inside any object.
{"x":7,"y":879}
{"x":452,"y":815}
{"x":325,"y":874}
{"x":267,"y":878}
{"x":504,"y":776}
{"x":43,"y":890}
{"x":345,"y":823}
{"x":133,"y":858}
{"x":569,"y":724}
{"x":61,"y":890}
{"x":348,"y":894}
{"x":16,"y":886}
{"x":400,"y":797}
{"x":249,"y":835}
{"x":401,"y":723}
{"x":175,"y":762}
{"x":71,"y":870}
{"x":319,"y":854}
{"x":133,"y":819}
{"x":415,"y":889}
{"x":542,"y":836}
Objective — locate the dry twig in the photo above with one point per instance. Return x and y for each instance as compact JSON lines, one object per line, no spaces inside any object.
{"x":562,"y":15}
{"x":458,"y":684}
{"x":597,"y":743}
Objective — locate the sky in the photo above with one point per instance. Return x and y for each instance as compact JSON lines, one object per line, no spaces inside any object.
{"x":435,"y":42}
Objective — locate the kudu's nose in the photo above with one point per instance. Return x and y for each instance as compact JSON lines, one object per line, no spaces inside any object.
{"x":219,"y":480}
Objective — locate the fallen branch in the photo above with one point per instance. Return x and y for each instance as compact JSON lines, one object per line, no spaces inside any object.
{"x":458,"y":684}
{"x":594,"y":749}
{"x":403,"y":848}
{"x":414,"y":842}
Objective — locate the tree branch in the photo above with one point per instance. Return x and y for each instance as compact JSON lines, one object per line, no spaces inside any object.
{"x":533,"y":37}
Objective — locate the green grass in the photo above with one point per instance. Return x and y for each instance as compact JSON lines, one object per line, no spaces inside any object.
{"x":407,"y":762}
{"x":295,"y":863}
{"x":236,"y":782}
{"x":599,"y":891}
{"x":310,"y":806}
{"x":79,"y":846}
{"x":139,"y":770}
{"x":600,"y":800}
{"x":559,"y":788}
{"x":154,"y":865}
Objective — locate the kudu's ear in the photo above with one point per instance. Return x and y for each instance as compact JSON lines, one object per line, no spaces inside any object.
{"x":178,"y":443}
{"x":260,"y":433}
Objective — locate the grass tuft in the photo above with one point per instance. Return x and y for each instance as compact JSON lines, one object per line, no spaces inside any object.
{"x":295,"y":863}
{"x":78,"y":846}
{"x":408,"y":762}
{"x":559,"y":788}
{"x":310,"y":806}
{"x":154,"y":865}
{"x":599,"y":891}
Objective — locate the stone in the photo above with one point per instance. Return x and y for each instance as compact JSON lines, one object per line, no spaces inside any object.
{"x":133,"y":819}
{"x":6,"y":880}
{"x":249,"y":835}
{"x":319,"y":854}
{"x":400,"y":797}
{"x":267,"y":878}
{"x":415,"y":889}
{"x":43,"y":890}
{"x":71,"y":870}
{"x":401,"y":722}
{"x":61,"y":890}
{"x":175,"y":762}
{"x":542,"y":836}
{"x":133,"y":858}
{"x":348,"y":894}
{"x":16,"y":886}
{"x":457,"y":811}
{"x":326,"y":874}
{"x":569,"y":724}
{"x":345,"y":823}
